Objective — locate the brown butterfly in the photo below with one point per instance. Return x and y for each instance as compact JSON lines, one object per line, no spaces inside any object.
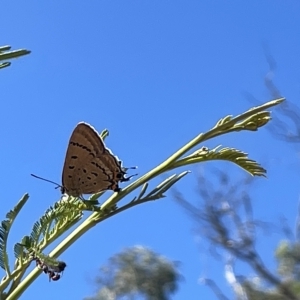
{"x":89,"y":166}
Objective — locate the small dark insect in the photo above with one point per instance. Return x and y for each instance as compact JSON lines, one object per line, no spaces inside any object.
{"x":53,"y":271}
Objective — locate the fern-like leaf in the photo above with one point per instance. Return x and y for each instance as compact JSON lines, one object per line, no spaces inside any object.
{"x":223,"y":121}
{"x":54,"y":222}
{"x":4,"y":65}
{"x":5,"y":54}
{"x":142,"y":192}
{"x":26,"y":243}
{"x":229,"y":154}
{"x":159,"y":191}
{"x":4,"y":231}
{"x":239,"y":158}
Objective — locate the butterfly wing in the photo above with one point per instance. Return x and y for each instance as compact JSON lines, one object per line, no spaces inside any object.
{"x":89,"y":166}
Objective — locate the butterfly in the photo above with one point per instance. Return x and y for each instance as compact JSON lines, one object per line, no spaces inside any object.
{"x":89,"y":166}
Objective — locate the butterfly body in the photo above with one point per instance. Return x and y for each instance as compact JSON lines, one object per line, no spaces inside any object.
{"x":89,"y":166}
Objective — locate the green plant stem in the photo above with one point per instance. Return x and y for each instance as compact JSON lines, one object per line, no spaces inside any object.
{"x":97,"y":217}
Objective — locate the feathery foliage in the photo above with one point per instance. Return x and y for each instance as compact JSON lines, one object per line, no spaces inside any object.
{"x":68,"y":211}
{"x":4,"y":231}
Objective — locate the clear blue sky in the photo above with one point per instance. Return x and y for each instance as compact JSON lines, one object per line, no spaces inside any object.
{"x":155,"y":73}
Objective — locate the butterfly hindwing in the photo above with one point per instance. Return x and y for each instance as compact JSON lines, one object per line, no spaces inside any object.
{"x":89,"y":166}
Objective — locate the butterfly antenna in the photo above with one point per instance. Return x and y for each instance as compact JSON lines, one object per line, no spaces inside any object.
{"x":38,"y":177}
{"x":132,"y":167}
{"x":129,"y":168}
